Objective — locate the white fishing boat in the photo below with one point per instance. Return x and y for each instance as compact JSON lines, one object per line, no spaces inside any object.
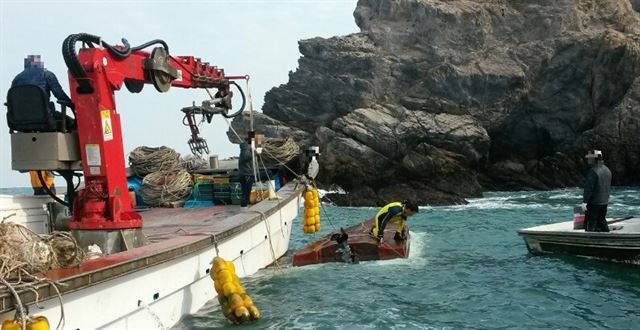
{"x":155,"y":264}
{"x":620,"y":244}
{"x":154,"y":286}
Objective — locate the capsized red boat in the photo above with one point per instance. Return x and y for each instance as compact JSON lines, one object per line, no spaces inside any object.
{"x":362,"y":246}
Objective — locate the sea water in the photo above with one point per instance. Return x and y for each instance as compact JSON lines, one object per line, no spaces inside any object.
{"x":468,"y":269}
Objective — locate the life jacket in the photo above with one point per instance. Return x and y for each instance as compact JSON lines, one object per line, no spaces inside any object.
{"x":386,"y":208}
{"x":399,"y":218}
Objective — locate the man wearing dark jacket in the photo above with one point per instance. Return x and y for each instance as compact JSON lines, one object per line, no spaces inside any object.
{"x":596,"y":193}
{"x":34,"y":73}
{"x":245,"y":170}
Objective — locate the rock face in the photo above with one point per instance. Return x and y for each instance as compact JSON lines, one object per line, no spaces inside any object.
{"x":439,"y":100}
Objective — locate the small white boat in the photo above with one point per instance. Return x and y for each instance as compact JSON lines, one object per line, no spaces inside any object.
{"x":621,"y":244}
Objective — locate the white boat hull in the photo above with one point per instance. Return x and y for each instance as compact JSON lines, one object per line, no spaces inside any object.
{"x":159,"y":296}
{"x":621,"y":245}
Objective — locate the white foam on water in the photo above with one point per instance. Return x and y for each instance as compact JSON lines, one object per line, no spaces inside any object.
{"x":417,"y":253}
{"x":566,"y":195}
{"x":337,"y":190}
{"x":499,"y":204}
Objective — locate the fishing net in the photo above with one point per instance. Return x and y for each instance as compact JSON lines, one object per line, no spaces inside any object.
{"x":25,"y":252}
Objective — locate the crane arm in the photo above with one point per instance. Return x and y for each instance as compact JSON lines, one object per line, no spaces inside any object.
{"x":96,"y":71}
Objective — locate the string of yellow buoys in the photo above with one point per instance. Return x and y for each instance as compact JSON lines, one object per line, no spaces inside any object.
{"x":311,"y":211}
{"x":236,"y":304}
{"x":33,"y":323}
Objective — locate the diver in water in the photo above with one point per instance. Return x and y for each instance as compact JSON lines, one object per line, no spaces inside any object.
{"x":343,"y":250}
{"x":393,"y":212}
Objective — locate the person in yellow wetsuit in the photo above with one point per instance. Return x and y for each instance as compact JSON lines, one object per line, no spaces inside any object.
{"x":393,"y":212}
{"x":37,"y":186}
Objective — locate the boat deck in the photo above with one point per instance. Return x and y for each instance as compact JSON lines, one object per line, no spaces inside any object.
{"x":172,"y":233}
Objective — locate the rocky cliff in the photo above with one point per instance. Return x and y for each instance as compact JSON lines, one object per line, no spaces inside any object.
{"x":438,"y":100}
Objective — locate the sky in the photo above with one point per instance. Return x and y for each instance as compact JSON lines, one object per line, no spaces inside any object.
{"x":258,"y":38}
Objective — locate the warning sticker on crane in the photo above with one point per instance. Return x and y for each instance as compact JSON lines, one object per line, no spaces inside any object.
{"x":93,"y":154}
{"x":107,"y":129}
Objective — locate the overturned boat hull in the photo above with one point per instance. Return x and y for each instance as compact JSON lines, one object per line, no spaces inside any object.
{"x":364,"y":246}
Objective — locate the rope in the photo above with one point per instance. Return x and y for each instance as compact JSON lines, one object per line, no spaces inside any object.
{"x":280,"y":150}
{"x":21,"y":314}
{"x":280,"y":162}
{"x":165,"y":187}
{"x":145,"y":160}
{"x":215,"y":244}
{"x":24,"y":253}
{"x":62,"y":320}
{"x":273,"y":252}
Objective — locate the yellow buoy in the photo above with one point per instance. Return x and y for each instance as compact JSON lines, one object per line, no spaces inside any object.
{"x":218,"y":264}
{"x":240,"y":289}
{"x":228,"y":289}
{"x":11,"y":325}
{"x":242,"y":313}
{"x":231,"y":267}
{"x":311,"y":218}
{"x":235,"y":301}
{"x":218,"y":286}
{"x":308,"y":195}
{"x":254,"y":312}
{"x":224,"y":276}
{"x":227,"y":310}
{"x":247,"y":300}
{"x":235,"y":304}
{"x":38,"y":323}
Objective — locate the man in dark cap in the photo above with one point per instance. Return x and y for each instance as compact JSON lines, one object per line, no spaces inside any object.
{"x":596,"y":193}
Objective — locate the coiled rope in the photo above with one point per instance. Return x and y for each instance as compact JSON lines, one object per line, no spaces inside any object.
{"x":24,"y":253}
{"x":279,"y":150}
{"x":145,"y":160}
{"x":165,"y":187}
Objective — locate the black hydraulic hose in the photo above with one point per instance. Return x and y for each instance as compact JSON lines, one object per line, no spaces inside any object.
{"x":71,"y":57}
{"x":152,"y":42}
{"x":49,"y":192}
{"x":244,"y":101}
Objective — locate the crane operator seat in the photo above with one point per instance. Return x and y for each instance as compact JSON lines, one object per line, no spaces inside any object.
{"x":29,"y":110}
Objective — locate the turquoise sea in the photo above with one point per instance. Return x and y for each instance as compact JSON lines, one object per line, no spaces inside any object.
{"x":468,"y":269}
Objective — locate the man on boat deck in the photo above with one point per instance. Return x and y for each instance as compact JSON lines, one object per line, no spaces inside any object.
{"x":596,"y":193}
{"x":245,"y":165}
{"x":245,"y":169}
{"x":35,"y":74}
{"x":393,"y":212}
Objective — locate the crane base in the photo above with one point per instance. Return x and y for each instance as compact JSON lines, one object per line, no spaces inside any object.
{"x":110,"y":241}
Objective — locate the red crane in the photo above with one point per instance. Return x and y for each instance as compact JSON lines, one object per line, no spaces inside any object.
{"x":95,"y":73}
